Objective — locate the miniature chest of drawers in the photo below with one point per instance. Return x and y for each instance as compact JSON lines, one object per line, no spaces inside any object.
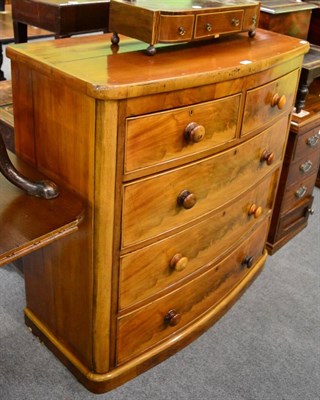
{"x":299,"y":174}
{"x":178,"y":158}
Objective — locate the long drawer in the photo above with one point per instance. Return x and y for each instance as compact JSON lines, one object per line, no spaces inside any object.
{"x":139,"y":330}
{"x":165,"y":136}
{"x":267,"y":102}
{"x":164,"y":202}
{"x":172,"y":259}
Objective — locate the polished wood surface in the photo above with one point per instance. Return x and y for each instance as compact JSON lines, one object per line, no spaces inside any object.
{"x":86,"y":291}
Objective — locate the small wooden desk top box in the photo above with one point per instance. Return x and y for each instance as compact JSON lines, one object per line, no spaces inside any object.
{"x":181,"y":21}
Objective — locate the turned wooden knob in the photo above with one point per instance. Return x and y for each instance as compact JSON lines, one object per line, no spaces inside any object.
{"x":172,"y":318}
{"x":178,"y":262}
{"x":278,"y":101}
{"x":186,"y":199}
{"x":268,"y":157}
{"x":255,"y":210}
{"x":248,"y":261}
{"x":194,"y":132}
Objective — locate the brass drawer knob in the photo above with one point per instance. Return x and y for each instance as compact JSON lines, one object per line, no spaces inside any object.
{"x":208,"y":27}
{"x":306,"y":167}
{"x":178,"y":262}
{"x":255,"y":211}
{"x":310,"y":211}
{"x":186,"y":199}
{"x":235,"y":21}
{"x":248,"y":261}
{"x":194,"y":132}
{"x":172,"y":318}
{"x":267,"y":157}
{"x":182,"y":31}
{"x":301,"y":192}
{"x":279,"y":101}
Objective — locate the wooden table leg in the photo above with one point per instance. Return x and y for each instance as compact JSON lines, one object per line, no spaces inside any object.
{"x":20,"y":31}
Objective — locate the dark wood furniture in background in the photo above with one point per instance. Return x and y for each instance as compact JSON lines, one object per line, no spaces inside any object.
{"x":298,"y":176}
{"x":64,"y":18}
{"x":314,"y":29}
{"x":287,"y":17}
{"x":7,"y":36}
{"x":144,"y":149}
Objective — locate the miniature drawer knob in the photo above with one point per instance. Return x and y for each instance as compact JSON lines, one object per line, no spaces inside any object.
{"x":172,"y":318}
{"x":279,"y":101}
{"x":182,"y":31}
{"x":235,"y":22}
{"x":255,"y":210}
{"x":194,"y":132}
{"x":186,"y":199}
{"x":178,"y":262}
{"x":208,"y":27}
{"x":306,"y":167}
{"x":301,"y":192}
{"x":268,"y":157}
{"x":248,"y":261}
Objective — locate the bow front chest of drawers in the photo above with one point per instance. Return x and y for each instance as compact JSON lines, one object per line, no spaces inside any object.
{"x":178,"y":158}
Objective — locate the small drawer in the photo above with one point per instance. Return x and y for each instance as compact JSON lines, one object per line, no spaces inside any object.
{"x":304,"y":167}
{"x":161,"y":137}
{"x":176,"y":28}
{"x":172,"y":259}
{"x":161,"y":203}
{"x":295,"y":219}
{"x":298,"y":192}
{"x":211,"y":24}
{"x":140,"y":330}
{"x":269,"y":101}
{"x":305,"y":144}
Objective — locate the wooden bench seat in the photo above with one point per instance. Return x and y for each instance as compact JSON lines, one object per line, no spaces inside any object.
{"x":28,"y":223}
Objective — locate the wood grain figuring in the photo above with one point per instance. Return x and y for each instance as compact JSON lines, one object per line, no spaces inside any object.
{"x":212,"y":235}
{"x":259,"y":107}
{"x":140,"y":330}
{"x":150,"y":206}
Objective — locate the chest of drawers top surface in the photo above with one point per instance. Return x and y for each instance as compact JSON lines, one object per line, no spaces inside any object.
{"x":89,"y":64}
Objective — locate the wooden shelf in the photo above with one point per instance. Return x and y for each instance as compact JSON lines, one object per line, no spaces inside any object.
{"x":29,"y":223}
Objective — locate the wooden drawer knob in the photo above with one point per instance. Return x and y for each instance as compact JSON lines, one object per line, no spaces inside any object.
{"x":178,"y":262}
{"x":248,"y":261}
{"x":267,"y":157}
{"x":186,"y":199}
{"x":172,"y":318}
{"x":279,"y":101}
{"x":255,"y":210}
{"x":194,"y":132}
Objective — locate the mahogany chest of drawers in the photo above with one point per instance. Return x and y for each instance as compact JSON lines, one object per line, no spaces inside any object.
{"x":299,"y":174}
{"x":178,"y":158}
